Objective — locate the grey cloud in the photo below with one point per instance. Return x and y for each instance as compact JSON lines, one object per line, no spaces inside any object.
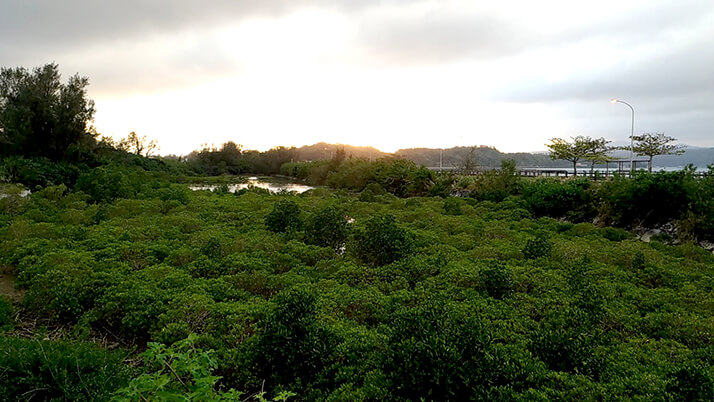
{"x":649,"y":24}
{"x":670,"y":58}
{"x":51,"y":26}
{"x":80,"y":21}
{"x":439,"y":37}
{"x":73,"y":32}
{"x":40,"y":22}
{"x":442,"y":35}
{"x":680,"y":71}
{"x":676,"y":81}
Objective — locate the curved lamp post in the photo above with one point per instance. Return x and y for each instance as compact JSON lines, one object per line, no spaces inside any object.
{"x":632,"y":131}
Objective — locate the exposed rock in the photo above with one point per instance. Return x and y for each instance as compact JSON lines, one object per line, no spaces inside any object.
{"x":647,"y":236}
{"x":670,"y":228}
{"x":707,"y":245}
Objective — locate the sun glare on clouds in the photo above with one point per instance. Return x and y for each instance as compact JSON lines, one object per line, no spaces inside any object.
{"x":394,"y":75}
{"x":295,"y":84}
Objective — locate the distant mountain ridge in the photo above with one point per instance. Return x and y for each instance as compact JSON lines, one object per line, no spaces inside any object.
{"x":323,"y":150}
{"x":487,"y":157}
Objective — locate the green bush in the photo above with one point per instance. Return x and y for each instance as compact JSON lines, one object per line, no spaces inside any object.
{"x":436,"y":352}
{"x":586,"y":295}
{"x":284,"y":217}
{"x":400,"y":177}
{"x":181,"y":371}
{"x":452,"y":206}
{"x":565,"y":342}
{"x":412,"y":311}
{"x":382,"y":241}
{"x":327,"y":228}
{"x":536,"y":247}
{"x":497,"y":280}
{"x":46,"y":370}
{"x":694,"y":381}
{"x":496,"y":185}
{"x":443,"y":185}
{"x":614,"y":234}
{"x":291,"y":346}
{"x":108,"y":183}
{"x":638,"y":261}
{"x":353,"y":174}
{"x":6,"y":316}
{"x":557,"y":198}
{"x":647,"y":199}
{"x":38,"y":172}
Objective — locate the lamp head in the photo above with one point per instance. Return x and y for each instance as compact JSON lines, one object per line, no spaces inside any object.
{"x":613,"y":100}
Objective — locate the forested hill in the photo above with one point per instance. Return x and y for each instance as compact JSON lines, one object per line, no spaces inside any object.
{"x":482,"y":155}
{"x":487,"y":156}
{"x":700,"y":157}
{"x":323,"y":150}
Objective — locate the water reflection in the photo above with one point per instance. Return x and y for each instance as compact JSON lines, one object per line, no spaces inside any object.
{"x":272,"y":186}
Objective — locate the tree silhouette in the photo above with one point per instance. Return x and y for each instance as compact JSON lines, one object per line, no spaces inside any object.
{"x":41,"y":116}
{"x":138,"y":145}
{"x":581,"y":148}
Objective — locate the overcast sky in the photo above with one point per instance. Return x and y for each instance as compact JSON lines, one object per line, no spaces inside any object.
{"x":392,"y":74}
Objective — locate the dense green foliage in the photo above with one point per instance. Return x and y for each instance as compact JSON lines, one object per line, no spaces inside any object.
{"x":6,"y":319}
{"x":232,"y":159}
{"x":382,"y":241}
{"x":38,"y":172}
{"x":651,"y":199}
{"x":648,"y":200}
{"x":45,"y":370}
{"x":397,"y":176}
{"x":492,"y":185}
{"x":182,"y":372}
{"x":537,"y":247}
{"x":327,"y":228}
{"x":433,"y":298}
{"x":553,"y":197}
{"x":284,"y":217}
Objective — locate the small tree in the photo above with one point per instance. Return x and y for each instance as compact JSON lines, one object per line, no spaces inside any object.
{"x":598,"y":152}
{"x":655,"y":144}
{"x":582,"y":148}
{"x":469,"y":164}
{"x":138,"y":145}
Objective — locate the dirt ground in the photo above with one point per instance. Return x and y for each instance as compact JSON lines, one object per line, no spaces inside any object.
{"x":7,"y":287}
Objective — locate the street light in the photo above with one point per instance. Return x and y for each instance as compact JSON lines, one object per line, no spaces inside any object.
{"x":632,"y":132}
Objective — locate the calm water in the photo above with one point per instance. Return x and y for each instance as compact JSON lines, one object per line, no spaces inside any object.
{"x":272,"y":186}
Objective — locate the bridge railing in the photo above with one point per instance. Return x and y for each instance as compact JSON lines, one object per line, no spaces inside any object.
{"x":595,"y":174}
